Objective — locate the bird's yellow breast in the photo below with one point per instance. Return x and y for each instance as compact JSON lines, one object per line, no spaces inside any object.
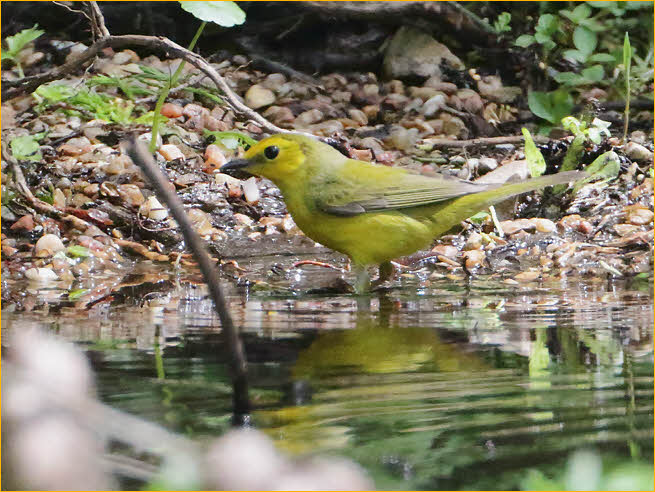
{"x":370,"y":238}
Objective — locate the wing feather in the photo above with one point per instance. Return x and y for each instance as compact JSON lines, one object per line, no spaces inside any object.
{"x":359,"y":187}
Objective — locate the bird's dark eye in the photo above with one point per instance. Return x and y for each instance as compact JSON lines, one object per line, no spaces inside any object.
{"x":271,"y":152}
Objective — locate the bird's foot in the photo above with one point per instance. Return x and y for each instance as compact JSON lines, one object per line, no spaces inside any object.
{"x":387,"y":272}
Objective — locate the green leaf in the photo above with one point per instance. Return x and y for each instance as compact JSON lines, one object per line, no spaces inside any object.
{"x":594,"y":73}
{"x":575,"y":55}
{"x":551,"y":106}
{"x":543,"y":37}
{"x":602,"y":58}
{"x":602,"y":5}
{"x":573,"y":125}
{"x":26,"y":148}
{"x":502,"y":23}
{"x":74,"y":295}
{"x":573,"y":154}
{"x":605,"y":166}
{"x":547,"y":24}
{"x":231,"y":139}
{"x":54,"y":92}
{"x":570,"y":78}
{"x":524,"y":40}
{"x":627,"y":55}
{"x":536,"y":161}
{"x":585,"y":39}
{"x":579,"y":13}
{"x":18,"y":41}
{"x":480,"y":217}
{"x":226,"y":14}
{"x":78,"y":251}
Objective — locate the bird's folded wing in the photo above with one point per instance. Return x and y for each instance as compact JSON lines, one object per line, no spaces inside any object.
{"x":389,"y":189}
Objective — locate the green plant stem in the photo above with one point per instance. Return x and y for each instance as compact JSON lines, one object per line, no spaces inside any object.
{"x":19,"y":67}
{"x":167,"y":88}
{"x":627,"y":61}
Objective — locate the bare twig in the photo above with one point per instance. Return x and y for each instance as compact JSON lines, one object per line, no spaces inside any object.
{"x":140,"y":155}
{"x":481,"y":142}
{"x":15,"y":88}
{"x":97,"y":21}
{"x":75,"y":11}
{"x":39,"y":205}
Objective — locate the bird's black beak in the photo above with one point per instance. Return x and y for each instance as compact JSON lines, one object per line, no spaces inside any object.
{"x":237,"y":168}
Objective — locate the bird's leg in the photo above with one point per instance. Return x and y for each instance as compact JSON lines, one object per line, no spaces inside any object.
{"x":362,"y":280}
{"x":386,"y":272}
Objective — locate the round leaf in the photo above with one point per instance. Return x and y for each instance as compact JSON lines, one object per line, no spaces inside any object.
{"x":226,"y":14}
{"x":585,"y":39}
{"x":524,"y":41}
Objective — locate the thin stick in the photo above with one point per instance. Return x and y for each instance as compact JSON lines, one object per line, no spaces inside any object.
{"x":13,"y":88}
{"x":140,"y":155}
{"x":481,"y":142}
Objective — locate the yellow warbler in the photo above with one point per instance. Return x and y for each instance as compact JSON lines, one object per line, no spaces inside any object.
{"x":370,"y":212}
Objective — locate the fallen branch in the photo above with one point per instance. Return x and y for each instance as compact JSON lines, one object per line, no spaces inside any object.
{"x":141,"y":157}
{"x":481,"y":142}
{"x":14,"y":88}
{"x":97,"y":21}
{"x":34,"y":202}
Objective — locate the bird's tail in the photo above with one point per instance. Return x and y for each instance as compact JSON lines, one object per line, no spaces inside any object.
{"x":464,"y":207}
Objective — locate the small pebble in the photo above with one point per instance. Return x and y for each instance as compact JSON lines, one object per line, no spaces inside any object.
{"x":250,"y":190}
{"x":152,"y":209}
{"x":637,"y":152}
{"x":445,"y":250}
{"x":309,"y":117}
{"x":171,"y":110}
{"x":544,"y":225}
{"x":474,"y":258}
{"x":200,"y":221}
{"x":170,"y":152}
{"x":42,"y":275}
{"x":214,"y":158}
{"x":258,"y":97}
{"x":25,"y":223}
{"x":527,"y":276}
{"x":48,"y":244}
{"x":639,"y":216}
{"x":279,"y":115}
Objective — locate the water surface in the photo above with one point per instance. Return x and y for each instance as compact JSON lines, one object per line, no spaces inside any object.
{"x":441,"y":382}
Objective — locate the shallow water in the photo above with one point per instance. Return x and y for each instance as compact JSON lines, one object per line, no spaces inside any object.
{"x":437,"y":383}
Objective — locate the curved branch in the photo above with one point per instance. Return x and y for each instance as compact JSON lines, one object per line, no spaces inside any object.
{"x":13,"y":88}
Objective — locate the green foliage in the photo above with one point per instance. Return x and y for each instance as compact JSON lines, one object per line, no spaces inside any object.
{"x":551,"y":106}
{"x":74,"y":295}
{"x":502,"y":23}
{"x":225,"y":14}
{"x":86,"y":102}
{"x":594,"y":131}
{"x":207,"y":93}
{"x":585,"y":470}
{"x":77,"y":251}
{"x":17,"y":42}
{"x":26,"y":148}
{"x":131,"y":90}
{"x":231,"y":140}
{"x":572,"y":35}
{"x":536,"y":161}
{"x":627,"y":62}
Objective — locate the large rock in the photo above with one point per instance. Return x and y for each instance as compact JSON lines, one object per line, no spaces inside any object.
{"x":414,"y":54}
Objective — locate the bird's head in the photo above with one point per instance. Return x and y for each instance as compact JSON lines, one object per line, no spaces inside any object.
{"x":284,"y":158}
{"x":275,"y":158}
